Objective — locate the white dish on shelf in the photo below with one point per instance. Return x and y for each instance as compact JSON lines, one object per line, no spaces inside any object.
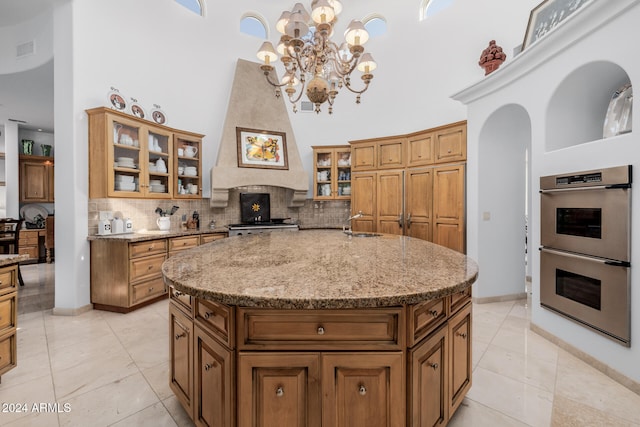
{"x":30,"y":211}
{"x":124,"y":178}
{"x":158,"y":188}
{"x":125,"y":186}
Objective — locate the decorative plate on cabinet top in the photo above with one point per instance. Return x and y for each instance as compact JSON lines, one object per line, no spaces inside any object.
{"x":135,"y":109}
{"x":117,"y":100}
{"x":30,"y":211}
{"x":158,"y":115}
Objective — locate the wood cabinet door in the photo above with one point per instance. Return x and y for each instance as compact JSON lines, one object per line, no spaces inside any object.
{"x":363,"y":199}
{"x":363,"y":389}
{"x":448,"y":207}
{"x":181,"y":357}
{"x":390,"y":202}
{"x":214,"y":372}
{"x":419,"y":203}
{"x":363,"y":156}
{"x":451,"y":144}
{"x":391,"y":153}
{"x":420,"y":149}
{"x":279,"y":389}
{"x":34,"y":182}
{"x":459,"y":357}
{"x":429,"y":381}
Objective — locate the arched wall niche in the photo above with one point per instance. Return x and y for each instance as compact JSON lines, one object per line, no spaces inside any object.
{"x":578,"y":107}
{"x":504,"y":139}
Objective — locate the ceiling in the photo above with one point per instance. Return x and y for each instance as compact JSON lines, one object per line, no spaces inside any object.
{"x":26,"y":96}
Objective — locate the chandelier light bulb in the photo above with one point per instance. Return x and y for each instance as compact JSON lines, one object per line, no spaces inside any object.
{"x":267,"y":53}
{"x":356,"y":34}
{"x":322,"y":12}
{"x":367,"y":64}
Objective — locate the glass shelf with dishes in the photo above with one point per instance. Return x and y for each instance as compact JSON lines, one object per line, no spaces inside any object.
{"x":188,"y":168}
{"x":332,"y":172}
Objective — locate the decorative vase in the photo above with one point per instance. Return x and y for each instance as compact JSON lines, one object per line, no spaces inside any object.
{"x":491,"y":58}
{"x":46,"y":150}
{"x":27,"y":146}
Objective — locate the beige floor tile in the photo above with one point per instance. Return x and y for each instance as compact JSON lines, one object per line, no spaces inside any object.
{"x":567,"y":413}
{"x":97,"y":348}
{"x":581,"y":383}
{"x":472,"y":414}
{"x":178,"y":413}
{"x":24,"y":396}
{"x":110,"y":403}
{"x":150,"y":352}
{"x":158,"y":378}
{"x":477,"y":351}
{"x":486,"y":325}
{"x":153,"y":416}
{"x":31,"y":366}
{"x":522,"y":340}
{"x":35,"y":419}
{"x":523,"y":402}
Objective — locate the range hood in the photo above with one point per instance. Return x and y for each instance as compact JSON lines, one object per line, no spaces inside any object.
{"x":253,"y":105}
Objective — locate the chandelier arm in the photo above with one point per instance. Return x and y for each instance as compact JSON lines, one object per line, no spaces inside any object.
{"x":358,"y":92}
{"x":295,"y":101}
{"x":267,"y":75}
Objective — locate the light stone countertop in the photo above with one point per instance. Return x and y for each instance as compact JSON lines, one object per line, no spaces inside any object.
{"x":319,"y":269}
{"x":12,"y":259}
{"x":144,"y":235}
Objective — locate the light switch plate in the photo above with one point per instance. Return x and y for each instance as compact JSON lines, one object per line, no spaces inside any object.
{"x":486,"y":216}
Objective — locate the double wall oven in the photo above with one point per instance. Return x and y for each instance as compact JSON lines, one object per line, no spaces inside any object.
{"x":585,"y":256}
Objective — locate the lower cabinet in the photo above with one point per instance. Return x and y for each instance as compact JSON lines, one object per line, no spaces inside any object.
{"x":411,"y":366}
{"x":8,"y":317}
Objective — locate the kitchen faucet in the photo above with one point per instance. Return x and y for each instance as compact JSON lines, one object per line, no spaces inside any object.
{"x":348,"y":231}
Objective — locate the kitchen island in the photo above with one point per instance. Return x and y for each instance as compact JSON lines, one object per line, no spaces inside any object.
{"x":318,"y":328}
{"x":9,"y":274}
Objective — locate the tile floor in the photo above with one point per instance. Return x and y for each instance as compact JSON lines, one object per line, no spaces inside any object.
{"x":108,"y":369}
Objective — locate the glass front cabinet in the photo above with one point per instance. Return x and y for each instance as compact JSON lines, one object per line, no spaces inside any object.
{"x":332,"y":172}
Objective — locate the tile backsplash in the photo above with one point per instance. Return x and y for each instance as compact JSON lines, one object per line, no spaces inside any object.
{"x":325,"y":214}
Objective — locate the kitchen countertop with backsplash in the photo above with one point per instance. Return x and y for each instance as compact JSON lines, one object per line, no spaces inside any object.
{"x":9,"y":259}
{"x":143,"y":235}
{"x":319,"y":269}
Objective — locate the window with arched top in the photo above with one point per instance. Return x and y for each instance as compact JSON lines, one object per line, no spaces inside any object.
{"x":431,"y":7}
{"x":375,"y":25}
{"x":254,"y":26}
{"x":193,"y":5}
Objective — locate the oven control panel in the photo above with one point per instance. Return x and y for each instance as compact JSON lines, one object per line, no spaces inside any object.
{"x":619,"y":176}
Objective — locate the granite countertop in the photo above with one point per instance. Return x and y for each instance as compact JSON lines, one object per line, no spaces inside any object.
{"x":319,"y":269}
{"x":143,"y":235}
{"x":12,"y":259}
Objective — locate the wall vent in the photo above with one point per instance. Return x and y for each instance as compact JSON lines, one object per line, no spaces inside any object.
{"x":25,"y":49}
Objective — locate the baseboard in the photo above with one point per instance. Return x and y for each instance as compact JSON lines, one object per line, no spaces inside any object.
{"x":72,"y":311}
{"x":629,"y":383}
{"x":501,"y":298}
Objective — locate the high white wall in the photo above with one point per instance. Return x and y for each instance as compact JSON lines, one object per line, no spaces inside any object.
{"x":591,"y":49}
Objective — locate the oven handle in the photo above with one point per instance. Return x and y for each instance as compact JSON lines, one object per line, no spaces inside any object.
{"x":624,"y":264}
{"x":595,"y":187}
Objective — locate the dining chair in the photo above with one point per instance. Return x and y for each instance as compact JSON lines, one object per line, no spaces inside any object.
{"x":9,"y":236}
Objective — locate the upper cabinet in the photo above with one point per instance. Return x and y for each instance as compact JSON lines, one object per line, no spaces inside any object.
{"x":332,"y":172}
{"x":131,"y":157}
{"x":36,"y":179}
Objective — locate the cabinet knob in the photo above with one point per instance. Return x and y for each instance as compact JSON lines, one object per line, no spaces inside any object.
{"x":362,"y":390}
{"x":462,"y":334}
{"x":448,"y":151}
{"x":178,"y":336}
{"x":433,"y":365}
{"x":320,"y":330}
{"x":150,"y":267}
{"x":208,"y":314}
{"x":434,"y":313}
{"x":178,"y":293}
{"x":151,"y":289}
{"x":207,"y":367}
{"x":280,"y":391}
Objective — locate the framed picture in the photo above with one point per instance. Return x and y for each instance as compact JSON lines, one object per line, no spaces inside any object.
{"x":547,"y":15}
{"x":261,"y":149}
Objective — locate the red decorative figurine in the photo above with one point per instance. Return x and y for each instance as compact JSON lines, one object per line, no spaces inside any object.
{"x":491,"y":58}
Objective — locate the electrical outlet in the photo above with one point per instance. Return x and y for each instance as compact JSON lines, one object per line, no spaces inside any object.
{"x":106,"y":215}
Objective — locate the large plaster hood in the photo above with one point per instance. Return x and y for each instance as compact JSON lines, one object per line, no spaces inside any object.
{"x":253,"y":105}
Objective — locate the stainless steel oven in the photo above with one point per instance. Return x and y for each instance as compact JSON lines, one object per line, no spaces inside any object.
{"x":585,"y":255}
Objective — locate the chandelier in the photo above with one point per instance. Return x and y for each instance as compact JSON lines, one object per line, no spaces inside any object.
{"x":312,"y":60}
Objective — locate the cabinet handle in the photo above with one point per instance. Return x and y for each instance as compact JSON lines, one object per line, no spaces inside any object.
{"x":178,"y":336}
{"x":150,"y":267}
{"x":150,"y":248}
{"x":400,"y":220}
{"x":208,"y":314}
{"x":177,"y":293}
{"x":434,"y":313}
{"x":409,"y":220}
{"x":462,"y":334}
{"x":449,"y":151}
{"x":151,"y":289}
{"x":433,"y":365}
{"x":280,"y":391}
{"x":362,"y":390}
{"x":207,"y":367}
{"x":320,"y":330}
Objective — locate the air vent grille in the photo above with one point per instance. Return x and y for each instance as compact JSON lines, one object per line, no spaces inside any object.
{"x":306,"y":107}
{"x":25,"y":49}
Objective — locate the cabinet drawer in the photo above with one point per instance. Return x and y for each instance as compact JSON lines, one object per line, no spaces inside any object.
{"x":217,"y":319}
{"x":8,"y":352}
{"x":181,"y":243}
{"x":147,"y":290}
{"x":8,"y":312}
{"x":321,"y":329}
{"x":424,"y":318}
{"x":459,"y":299}
{"x":28,"y":239}
{"x":146,"y":268}
{"x":207,"y":238}
{"x":7,"y":280}
{"x":182,"y":300}
{"x":30,"y":251}
{"x":150,"y":247}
